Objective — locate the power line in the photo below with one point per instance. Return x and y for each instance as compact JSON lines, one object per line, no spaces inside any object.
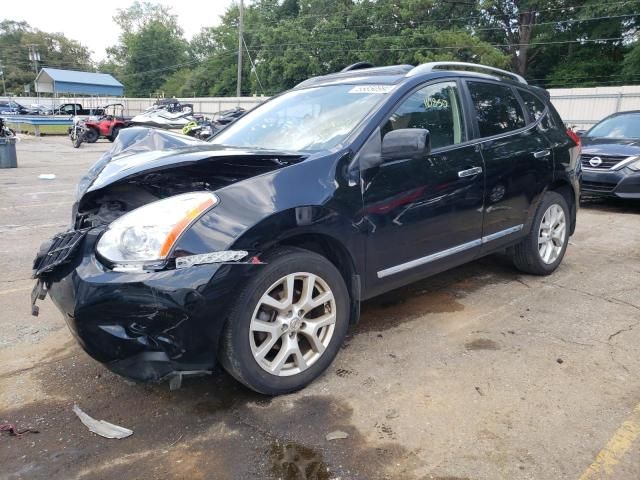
{"x":253,"y":66}
{"x":413,"y":24}
{"x":453,"y":47}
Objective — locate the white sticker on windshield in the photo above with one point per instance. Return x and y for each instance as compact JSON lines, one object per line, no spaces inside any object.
{"x":371,"y":89}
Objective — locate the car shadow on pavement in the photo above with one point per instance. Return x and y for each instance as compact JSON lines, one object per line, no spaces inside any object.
{"x":609,"y":204}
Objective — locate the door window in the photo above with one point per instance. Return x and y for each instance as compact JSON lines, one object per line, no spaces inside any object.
{"x":497,"y":108}
{"x":436,"y":108}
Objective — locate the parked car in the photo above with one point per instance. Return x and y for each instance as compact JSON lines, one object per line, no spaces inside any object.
{"x":611,"y":156}
{"x":37,"y":109}
{"x":9,"y":107}
{"x":256,"y":248}
{"x":76,"y":109}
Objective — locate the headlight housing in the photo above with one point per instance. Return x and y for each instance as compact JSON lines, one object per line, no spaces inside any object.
{"x":145,"y":236}
{"x":635,"y":165}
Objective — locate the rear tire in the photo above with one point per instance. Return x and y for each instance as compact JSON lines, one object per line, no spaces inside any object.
{"x":287,"y":324}
{"x":543,"y":249}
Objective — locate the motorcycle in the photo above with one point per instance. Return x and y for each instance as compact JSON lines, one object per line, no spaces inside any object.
{"x":79,"y":133}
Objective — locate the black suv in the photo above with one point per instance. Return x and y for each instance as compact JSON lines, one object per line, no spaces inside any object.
{"x":257,"y":247}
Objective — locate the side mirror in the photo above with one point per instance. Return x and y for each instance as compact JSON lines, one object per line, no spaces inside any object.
{"x":580,"y":132}
{"x":405,"y":143}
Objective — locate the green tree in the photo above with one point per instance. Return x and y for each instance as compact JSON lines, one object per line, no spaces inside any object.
{"x":150,"y":50}
{"x":55,"y":50}
{"x":631,"y":65}
{"x":561,"y":42}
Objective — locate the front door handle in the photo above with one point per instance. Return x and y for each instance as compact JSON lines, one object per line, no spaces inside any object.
{"x":542,"y":154}
{"x":470,"y":172}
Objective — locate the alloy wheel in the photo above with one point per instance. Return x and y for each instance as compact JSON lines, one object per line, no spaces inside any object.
{"x":292,"y":324}
{"x":552,"y":234}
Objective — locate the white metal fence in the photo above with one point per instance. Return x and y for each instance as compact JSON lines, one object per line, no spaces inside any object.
{"x":584,"y":107}
{"x":580,"y":107}
{"x":133,"y":106}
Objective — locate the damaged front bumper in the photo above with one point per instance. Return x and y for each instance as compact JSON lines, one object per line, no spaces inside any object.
{"x":147,"y":325}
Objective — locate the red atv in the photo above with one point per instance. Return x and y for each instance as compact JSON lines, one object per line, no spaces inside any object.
{"x":108,"y":125}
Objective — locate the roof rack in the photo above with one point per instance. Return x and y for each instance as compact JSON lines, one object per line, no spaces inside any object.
{"x":429,"y":67}
{"x":357,"y":66}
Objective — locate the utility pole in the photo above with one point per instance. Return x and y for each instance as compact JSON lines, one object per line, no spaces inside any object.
{"x":34,"y":56}
{"x":4,"y":87}
{"x":240,"y":28}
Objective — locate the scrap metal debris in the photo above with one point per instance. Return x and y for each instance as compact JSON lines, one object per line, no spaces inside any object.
{"x":337,"y":435}
{"x":101,"y":427}
{"x":13,"y":430}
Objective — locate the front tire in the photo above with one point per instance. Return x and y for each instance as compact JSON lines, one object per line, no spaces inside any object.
{"x":114,"y":134}
{"x":91,"y":135}
{"x":287,"y":324}
{"x":542,"y":251}
{"x":76,"y":140}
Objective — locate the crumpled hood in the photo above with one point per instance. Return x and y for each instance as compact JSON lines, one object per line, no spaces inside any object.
{"x":610,"y":146}
{"x":139,"y":149}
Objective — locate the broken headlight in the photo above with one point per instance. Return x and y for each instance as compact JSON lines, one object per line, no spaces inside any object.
{"x":147,"y":234}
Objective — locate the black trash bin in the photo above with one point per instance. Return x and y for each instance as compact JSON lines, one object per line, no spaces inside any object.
{"x":8,"y":157}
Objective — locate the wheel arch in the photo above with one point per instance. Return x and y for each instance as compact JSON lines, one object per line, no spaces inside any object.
{"x":319,"y":230}
{"x":334,"y":251}
{"x":564,"y":188}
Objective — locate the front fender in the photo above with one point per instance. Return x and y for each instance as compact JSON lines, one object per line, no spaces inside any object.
{"x":310,"y":197}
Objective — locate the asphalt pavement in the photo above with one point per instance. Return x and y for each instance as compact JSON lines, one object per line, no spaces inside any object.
{"x":477,"y":373}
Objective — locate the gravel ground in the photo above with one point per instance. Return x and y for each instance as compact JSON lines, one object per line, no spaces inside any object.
{"x":477,"y":373}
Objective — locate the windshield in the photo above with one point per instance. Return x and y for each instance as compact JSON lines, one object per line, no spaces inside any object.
{"x":620,"y":126}
{"x":304,"y":120}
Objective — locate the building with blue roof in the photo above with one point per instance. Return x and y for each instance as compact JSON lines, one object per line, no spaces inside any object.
{"x":56,"y":81}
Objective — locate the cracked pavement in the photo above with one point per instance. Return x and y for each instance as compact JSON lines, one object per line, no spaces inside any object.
{"x":477,"y":373}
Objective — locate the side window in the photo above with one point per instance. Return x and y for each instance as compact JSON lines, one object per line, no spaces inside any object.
{"x":497,"y":108}
{"x":436,"y":108}
{"x":533,"y":104}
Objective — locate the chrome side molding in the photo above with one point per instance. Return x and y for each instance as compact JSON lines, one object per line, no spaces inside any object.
{"x":449,"y":251}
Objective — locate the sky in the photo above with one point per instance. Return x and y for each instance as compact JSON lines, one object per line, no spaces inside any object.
{"x":91,"y":23}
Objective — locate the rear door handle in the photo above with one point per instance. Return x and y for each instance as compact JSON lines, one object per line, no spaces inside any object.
{"x":542,"y":153}
{"x":470,"y":172}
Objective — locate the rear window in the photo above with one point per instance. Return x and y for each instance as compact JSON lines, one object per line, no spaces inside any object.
{"x":535,"y":107}
{"x":497,"y":108}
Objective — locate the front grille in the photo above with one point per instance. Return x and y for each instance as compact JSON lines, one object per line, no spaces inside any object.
{"x":599,"y":187}
{"x":63,"y":246}
{"x":607,"y":161}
